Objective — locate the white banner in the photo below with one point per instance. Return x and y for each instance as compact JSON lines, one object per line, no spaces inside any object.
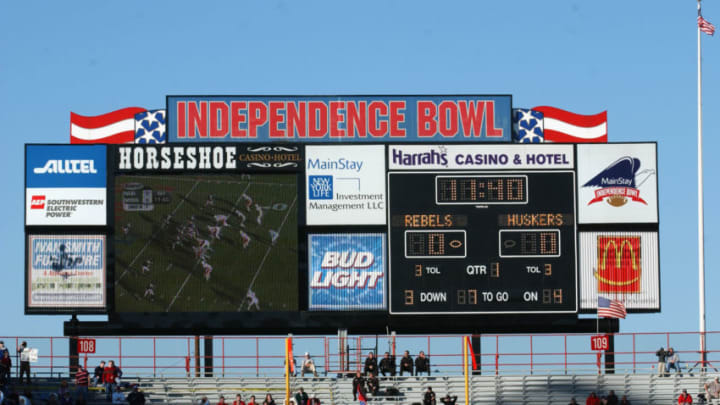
{"x":65,"y":206}
{"x":617,"y":183}
{"x":345,"y":185}
{"x":66,"y":271}
{"x":624,"y":266}
{"x":474,"y":157}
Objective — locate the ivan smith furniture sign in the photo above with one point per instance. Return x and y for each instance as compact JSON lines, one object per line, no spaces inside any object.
{"x":468,"y":118}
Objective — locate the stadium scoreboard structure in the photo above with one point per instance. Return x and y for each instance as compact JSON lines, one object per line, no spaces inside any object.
{"x":479,"y":242}
{"x":312,"y":214}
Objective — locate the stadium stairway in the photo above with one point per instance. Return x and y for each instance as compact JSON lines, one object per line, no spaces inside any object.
{"x":508,"y":389}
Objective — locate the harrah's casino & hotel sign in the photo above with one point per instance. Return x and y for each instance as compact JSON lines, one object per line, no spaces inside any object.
{"x":475,"y":118}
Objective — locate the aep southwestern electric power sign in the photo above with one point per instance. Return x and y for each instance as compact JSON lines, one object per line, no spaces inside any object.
{"x":346,"y":272}
{"x":65,"y":185}
{"x":437,"y":118}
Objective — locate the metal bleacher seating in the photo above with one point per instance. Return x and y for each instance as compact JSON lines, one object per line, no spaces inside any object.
{"x":485,"y":389}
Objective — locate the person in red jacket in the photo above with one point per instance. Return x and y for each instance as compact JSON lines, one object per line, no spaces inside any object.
{"x":238,"y":400}
{"x":684,"y":398}
{"x":592,"y":399}
{"x":109,"y":374}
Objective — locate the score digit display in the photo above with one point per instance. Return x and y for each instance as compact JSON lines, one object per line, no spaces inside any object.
{"x":482,"y":243}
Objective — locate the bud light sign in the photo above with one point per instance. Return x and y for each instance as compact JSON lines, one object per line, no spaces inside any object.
{"x":347,"y":272}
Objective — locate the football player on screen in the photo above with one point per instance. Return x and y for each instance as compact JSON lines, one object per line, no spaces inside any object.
{"x":214,"y":231}
{"x":221,"y":220}
{"x":259,"y":210}
{"x":242,"y":218}
{"x":245,"y":239}
{"x":207,"y":269}
{"x":146,"y":266}
{"x":273,"y":236}
{"x":248,"y":201}
{"x":252,"y":300}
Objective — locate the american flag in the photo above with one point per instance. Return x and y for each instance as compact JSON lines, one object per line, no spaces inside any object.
{"x":705,"y":26}
{"x":127,"y":125}
{"x":608,"y":308}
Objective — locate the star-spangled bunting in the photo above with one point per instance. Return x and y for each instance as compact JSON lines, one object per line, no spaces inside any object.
{"x":150,"y":127}
{"x":527,"y":126}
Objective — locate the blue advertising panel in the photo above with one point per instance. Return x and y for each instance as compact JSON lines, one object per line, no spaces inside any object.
{"x":346,"y":272}
{"x":436,"y":118}
{"x":71,"y":166}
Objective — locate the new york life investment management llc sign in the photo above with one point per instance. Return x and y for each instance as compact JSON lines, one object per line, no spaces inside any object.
{"x":459,"y":118}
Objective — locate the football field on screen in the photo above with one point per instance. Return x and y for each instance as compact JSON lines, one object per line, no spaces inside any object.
{"x":161,"y":267}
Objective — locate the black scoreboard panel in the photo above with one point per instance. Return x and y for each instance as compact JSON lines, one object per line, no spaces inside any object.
{"x":482,"y":242}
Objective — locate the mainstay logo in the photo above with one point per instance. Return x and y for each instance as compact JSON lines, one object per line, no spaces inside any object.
{"x":67,"y":166}
{"x":619,"y":182}
{"x":618,"y":264}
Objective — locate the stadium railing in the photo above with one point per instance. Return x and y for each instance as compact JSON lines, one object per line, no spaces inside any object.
{"x":264,"y":355}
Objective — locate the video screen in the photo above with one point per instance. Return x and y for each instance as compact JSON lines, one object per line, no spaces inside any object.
{"x":206,"y":243}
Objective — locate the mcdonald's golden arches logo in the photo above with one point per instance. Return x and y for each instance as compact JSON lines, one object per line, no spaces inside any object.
{"x":618,"y":264}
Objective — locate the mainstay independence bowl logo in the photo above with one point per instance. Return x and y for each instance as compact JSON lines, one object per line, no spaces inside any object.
{"x":620,"y":182}
{"x":618,"y":264}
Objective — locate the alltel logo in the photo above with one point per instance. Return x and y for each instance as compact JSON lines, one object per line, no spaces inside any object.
{"x":68,"y":166}
{"x":37,"y":202}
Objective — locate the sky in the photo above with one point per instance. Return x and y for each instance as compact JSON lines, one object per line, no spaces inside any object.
{"x":637,"y":60}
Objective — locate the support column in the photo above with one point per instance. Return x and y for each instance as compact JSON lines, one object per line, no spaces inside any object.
{"x":73,"y":359}
{"x":208,"y":356}
{"x":610,"y":355}
{"x":477,"y":352}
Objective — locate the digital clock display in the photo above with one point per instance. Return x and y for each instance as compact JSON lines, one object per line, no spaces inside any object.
{"x":481,"y":189}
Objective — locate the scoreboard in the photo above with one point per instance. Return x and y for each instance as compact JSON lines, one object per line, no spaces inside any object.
{"x":482,"y":242}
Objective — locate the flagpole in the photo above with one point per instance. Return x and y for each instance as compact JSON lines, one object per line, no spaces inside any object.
{"x":701,"y":230}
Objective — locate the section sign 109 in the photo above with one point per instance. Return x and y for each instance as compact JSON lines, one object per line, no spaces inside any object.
{"x":482,"y":242}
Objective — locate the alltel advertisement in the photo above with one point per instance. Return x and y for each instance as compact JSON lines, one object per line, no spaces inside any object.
{"x":347,"y":272}
{"x":617,"y":183}
{"x":620,"y":265}
{"x":66,"y":271}
{"x":345,"y":185}
{"x":65,"y":185}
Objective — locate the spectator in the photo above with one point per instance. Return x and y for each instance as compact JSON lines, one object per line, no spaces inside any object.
{"x":136,"y":397}
{"x":24,"y":352}
{"x":204,"y":401}
{"x":118,"y":377}
{"x":308,"y":366}
{"x":269,"y":400}
{"x":662,"y":356}
{"x":371,"y":364}
{"x":98,"y":375}
{"x":592,"y":399}
{"x":301,"y":397}
{"x":712,"y":389}
{"x":673,"y":361}
{"x":357,"y":383}
{"x":684,"y":398}
{"x":429,"y":397}
{"x":66,"y":398}
{"x":238,"y":400}
{"x":3,"y":349}
{"x":573,"y":401}
{"x":422,"y":364}
{"x":447,"y":400}
{"x":81,"y":382}
{"x":406,"y":363}
{"x":373,"y":385}
{"x":314,"y":400}
{"x":624,"y":400}
{"x":63,"y":389}
{"x":387,"y":365}
{"x":222,"y":401}
{"x":5,"y":367}
{"x":252,"y":400}
{"x":52,"y":399}
{"x":25,"y":398}
{"x":109,"y":374}
{"x":612,"y":399}
{"x":118,"y":397}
